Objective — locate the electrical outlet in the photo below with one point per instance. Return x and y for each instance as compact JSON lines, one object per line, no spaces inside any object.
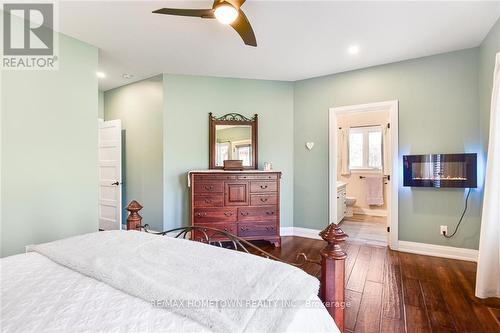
{"x":443,"y":228}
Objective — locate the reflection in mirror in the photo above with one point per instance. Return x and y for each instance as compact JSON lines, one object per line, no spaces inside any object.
{"x":233,"y":142}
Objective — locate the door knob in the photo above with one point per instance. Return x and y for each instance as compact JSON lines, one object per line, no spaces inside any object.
{"x":116,"y":183}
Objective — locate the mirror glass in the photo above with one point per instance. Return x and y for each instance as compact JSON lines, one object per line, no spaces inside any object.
{"x":233,"y":142}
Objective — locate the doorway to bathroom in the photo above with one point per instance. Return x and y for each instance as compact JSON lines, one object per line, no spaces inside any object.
{"x":363,"y":172}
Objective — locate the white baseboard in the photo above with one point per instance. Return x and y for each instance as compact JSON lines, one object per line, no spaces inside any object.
{"x":438,"y":250}
{"x":300,"y":232}
{"x":449,"y":252}
{"x":286,"y":231}
{"x":372,"y":212}
{"x":307,"y":233}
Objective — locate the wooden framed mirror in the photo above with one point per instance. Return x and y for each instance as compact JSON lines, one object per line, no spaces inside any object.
{"x":232,"y":137}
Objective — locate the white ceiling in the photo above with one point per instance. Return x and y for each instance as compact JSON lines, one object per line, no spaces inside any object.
{"x":296,"y":39}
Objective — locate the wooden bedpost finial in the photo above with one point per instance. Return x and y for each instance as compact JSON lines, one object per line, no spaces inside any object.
{"x":332,"y":291}
{"x":334,"y":236}
{"x":134,"y":219}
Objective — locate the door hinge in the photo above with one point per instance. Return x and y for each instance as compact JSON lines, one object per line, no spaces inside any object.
{"x":388,"y":229}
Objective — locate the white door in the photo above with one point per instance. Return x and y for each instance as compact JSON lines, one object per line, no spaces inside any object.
{"x":110,"y":175}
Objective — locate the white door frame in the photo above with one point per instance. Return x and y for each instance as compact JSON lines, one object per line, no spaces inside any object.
{"x":393,"y":108}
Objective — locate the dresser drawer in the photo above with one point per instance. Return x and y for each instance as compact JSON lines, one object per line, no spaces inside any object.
{"x":258,"y":177}
{"x":263,"y":199}
{"x":214,"y":177}
{"x":257,"y":229}
{"x":257,"y":213}
{"x":207,"y":215}
{"x":263,"y":186}
{"x":209,"y":200}
{"x":212,"y":234}
{"x":213,"y":187}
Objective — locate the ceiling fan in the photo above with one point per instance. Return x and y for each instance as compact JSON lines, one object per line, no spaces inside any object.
{"x":226,"y":12}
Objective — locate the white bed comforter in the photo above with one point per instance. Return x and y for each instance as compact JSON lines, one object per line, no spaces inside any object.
{"x":151,"y":268}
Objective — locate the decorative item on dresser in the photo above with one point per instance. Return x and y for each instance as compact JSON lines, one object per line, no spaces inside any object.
{"x":233,"y":165}
{"x":244,"y":203}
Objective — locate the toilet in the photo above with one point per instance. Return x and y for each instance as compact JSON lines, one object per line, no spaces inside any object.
{"x":349,"y":202}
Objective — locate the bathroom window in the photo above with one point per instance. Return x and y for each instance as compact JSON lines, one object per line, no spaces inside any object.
{"x":365,"y":148}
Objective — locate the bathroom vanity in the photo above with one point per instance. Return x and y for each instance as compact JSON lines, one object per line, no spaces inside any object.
{"x":341,"y":201}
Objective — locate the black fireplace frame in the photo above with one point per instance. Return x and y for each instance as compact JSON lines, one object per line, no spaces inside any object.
{"x":469,"y":158}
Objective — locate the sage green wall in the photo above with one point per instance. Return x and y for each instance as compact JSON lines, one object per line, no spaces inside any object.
{"x":48,"y":150}
{"x":139,"y":105}
{"x":438,"y":113}
{"x":189,"y":99}
{"x":487,"y":53}
{"x":100,"y":112}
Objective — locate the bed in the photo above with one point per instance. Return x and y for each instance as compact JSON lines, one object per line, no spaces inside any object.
{"x":136,"y":281}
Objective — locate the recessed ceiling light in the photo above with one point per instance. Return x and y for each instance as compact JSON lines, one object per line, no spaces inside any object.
{"x":100,"y":75}
{"x":127,"y":76}
{"x":353,"y":49}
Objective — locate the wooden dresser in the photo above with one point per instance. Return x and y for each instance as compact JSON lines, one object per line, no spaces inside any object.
{"x":244,"y":203}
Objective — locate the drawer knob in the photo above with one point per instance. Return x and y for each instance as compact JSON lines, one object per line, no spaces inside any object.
{"x":208,"y":200}
{"x":263,"y":199}
{"x":244,"y":228}
{"x":244,"y":213}
{"x":201,"y":214}
{"x":263,"y":187}
{"x":225,"y":229}
{"x":209,"y":188}
{"x":270,"y":213}
{"x":228,"y":213}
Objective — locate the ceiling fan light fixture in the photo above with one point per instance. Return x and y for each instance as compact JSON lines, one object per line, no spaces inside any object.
{"x":226,"y":14}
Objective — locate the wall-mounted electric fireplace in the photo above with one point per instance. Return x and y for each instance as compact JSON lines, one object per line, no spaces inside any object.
{"x":440,"y":170}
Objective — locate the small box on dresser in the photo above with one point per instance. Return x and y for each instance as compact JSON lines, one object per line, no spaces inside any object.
{"x":244,"y":203}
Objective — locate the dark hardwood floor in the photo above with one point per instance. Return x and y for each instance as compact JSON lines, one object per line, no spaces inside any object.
{"x":393,"y":291}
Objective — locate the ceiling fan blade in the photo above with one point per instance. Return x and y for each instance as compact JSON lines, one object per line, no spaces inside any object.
{"x":244,"y":29}
{"x":203,"y":13}
{"x":235,"y":3}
